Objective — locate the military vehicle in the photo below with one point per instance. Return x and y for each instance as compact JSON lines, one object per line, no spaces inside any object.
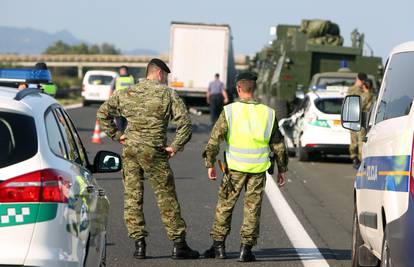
{"x":285,"y":68}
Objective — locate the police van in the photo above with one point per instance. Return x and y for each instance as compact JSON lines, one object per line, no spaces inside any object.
{"x":53,"y":212}
{"x":383,"y":224}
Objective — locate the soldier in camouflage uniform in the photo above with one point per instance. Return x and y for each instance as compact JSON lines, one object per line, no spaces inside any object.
{"x":148,"y":108}
{"x":356,"y":89}
{"x":253,"y":182}
{"x":367,"y":100}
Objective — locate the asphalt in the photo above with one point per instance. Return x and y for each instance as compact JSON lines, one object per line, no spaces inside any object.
{"x":319,"y":193}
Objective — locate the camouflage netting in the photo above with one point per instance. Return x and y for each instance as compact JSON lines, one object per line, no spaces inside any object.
{"x":321,"y":32}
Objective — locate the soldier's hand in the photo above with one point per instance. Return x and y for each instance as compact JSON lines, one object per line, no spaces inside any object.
{"x":212,"y":174}
{"x":281,"y":179}
{"x":171,"y":151}
{"x":122,"y":139}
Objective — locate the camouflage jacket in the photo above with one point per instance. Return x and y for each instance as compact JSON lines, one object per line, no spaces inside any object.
{"x":367,"y":99}
{"x":148,"y":107}
{"x":354,"y":90}
{"x":219,"y":133}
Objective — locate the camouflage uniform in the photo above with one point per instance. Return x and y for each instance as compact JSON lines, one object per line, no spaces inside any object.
{"x":254,"y":184}
{"x":367,"y":99}
{"x":353,"y":146}
{"x":148,"y":108}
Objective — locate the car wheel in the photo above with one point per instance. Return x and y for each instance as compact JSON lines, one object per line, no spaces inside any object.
{"x":85,"y":103}
{"x":103,"y":258}
{"x":356,"y":240}
{"x":386,"y":260}
{"x":303,"y":155}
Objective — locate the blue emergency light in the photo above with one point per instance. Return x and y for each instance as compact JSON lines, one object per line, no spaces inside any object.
{"x":25,"y":76}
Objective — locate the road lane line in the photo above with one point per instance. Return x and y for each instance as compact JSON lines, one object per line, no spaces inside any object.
{"x":73,"y":106}
{"x":295,"y":231}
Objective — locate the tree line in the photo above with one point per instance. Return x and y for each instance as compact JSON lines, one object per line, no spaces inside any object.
{"x":60,"y":48}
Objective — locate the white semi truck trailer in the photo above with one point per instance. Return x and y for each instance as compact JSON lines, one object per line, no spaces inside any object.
{"x":197,"y":52}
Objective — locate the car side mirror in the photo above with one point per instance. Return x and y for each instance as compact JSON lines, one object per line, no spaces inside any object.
{"x":351,"y":115}
{"x":106,"y":161}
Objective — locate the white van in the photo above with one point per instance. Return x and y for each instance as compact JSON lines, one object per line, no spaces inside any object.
{"x":97,"y":85}
{"x":383,"y":227}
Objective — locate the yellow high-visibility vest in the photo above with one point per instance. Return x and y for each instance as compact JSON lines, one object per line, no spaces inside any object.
{"x":124,"y":82}
{"x":249,"y":129}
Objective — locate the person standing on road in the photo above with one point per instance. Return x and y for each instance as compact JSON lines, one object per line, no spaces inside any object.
{"x":251,"y":132}
{"x":122,"y":82}
{"x":356,"y":89}
{"x":148,"y":107}
{"x":367,"y":100}
{"x":216,"y":97}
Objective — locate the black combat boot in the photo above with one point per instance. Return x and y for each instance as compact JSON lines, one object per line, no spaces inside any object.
{"x":140,"y":249}
{"x":182,"y":251}
{"x":246,"y":254}
{"x":356,"y":163}
{"x":217,"y":250}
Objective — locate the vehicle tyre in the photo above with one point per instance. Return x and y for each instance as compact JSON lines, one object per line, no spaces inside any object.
{"x":386,"y":260}
{"x":281,"y":108}
{"x":103,"y":258}
{"x":303,"y":155}
{"x":85,"y":103}
{"x":356,"y":240}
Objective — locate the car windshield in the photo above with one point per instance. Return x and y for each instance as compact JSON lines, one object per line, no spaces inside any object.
{"x":323,"y":82}
{"x":329,"y":105}
{"x":18,"y":139}
{"x":100,"y":79}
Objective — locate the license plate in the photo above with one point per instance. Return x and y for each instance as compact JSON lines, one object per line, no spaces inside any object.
{"x":94,"y":94}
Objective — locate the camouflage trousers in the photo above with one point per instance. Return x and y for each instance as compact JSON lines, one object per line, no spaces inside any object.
{"x":140,"y":161}
{"x":353,"y":146}
{"x":360,"y":141}
{"x":254,"y":184}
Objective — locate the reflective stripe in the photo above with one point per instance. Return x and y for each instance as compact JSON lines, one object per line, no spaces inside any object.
{"x":248,"y":150}
{"x":229,"y":116}
{"x":269,"y":125}
{"x":247,"y":160}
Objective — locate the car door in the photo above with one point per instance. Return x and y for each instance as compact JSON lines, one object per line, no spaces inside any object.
{"x":384,"y":172}
{"x":98,"y":204}
{"x":79,"y":212}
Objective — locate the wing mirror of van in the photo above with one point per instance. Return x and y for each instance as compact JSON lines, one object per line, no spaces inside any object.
{"x":351,"y":115}
{"x":106,"y":161}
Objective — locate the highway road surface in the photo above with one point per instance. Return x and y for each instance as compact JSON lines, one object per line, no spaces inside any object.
{"x":306,"y":223}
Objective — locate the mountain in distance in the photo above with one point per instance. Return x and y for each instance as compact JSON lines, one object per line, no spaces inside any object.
{"x":14,"y":40}
{"x":31,"y":41}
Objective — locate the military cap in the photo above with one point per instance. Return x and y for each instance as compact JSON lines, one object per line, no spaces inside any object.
{"x":362,"y":76}
{"x":248,"y":76}
{"x":159,"y":63}
{"x":41,"y":66}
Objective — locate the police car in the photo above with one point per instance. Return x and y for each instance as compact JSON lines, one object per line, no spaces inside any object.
{"x":315,"y":127}
{"x":383,"y":228}
{"x":52,"y":210}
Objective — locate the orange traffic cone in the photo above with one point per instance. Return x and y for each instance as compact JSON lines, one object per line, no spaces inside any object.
{"x":96,"y":138}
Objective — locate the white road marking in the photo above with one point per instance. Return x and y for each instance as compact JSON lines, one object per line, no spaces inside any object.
{"x":293,"y":228}
{"x":73,"y":106}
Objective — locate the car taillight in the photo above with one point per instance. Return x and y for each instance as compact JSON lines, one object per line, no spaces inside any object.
{"x":83,"y":88}
{"x":47,"y":185}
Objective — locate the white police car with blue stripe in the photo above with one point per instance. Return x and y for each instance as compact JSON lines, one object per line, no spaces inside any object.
{"x":383,"y":229}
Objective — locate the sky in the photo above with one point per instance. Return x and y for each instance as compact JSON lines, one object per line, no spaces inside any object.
{"x":131,"y":24}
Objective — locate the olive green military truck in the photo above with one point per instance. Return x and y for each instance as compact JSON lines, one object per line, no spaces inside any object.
{"x":285,"y":68}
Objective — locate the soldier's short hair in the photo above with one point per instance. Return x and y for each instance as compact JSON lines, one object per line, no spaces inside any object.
{"x":247,"y":86}
{"x":151,"y":68}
